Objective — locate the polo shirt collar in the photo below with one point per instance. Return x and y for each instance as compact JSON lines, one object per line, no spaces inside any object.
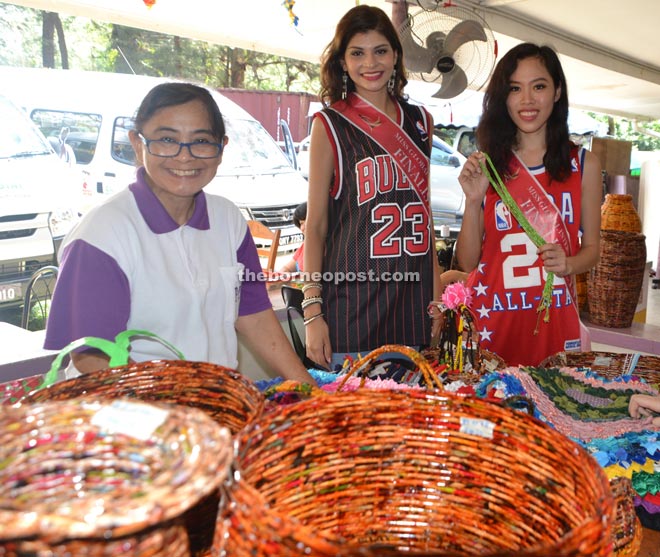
{"x":155,"y":215}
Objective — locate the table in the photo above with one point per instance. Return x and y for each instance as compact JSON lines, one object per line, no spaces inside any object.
{"x":22,"y":353}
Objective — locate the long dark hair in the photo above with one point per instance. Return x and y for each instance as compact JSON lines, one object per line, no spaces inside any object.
{"x":496,"y":132}
{"x":175,"y":93}
{"x":360,"y":19}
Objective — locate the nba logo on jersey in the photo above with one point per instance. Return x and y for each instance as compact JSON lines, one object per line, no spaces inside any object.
{"x":502,"y":216}
{"x":574,"y":164}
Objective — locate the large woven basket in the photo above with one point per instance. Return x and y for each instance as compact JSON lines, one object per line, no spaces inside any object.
{"x":228,"y":397}
{"x":615,"y":282}
{"x":627,"y":529}
{"x":610,"y":364}
{"x":416,"y":471}
{"x":108,"y":478}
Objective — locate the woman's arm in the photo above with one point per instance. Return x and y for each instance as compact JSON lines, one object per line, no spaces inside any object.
{"x":475,"y":184}
{"x":289,"y":267}
{"x":554,"y":258}
{"x":321,"y":171}
{"x":266,"y":338}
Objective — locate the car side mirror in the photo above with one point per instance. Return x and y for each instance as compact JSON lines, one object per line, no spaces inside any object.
{"x":453,"y":161}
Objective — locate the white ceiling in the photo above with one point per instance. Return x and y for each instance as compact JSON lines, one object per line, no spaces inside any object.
{"x":610,"y":49}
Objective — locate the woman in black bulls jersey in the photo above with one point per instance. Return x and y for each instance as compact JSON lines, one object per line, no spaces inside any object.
{"x":370,"y":261}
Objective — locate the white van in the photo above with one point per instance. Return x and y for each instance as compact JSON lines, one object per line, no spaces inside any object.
{"x":96,"y":110}
{"x":36,"y":202}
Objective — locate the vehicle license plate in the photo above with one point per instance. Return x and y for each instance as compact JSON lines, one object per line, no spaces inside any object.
{"x":293,"y":239}
{"x":10,"y":292}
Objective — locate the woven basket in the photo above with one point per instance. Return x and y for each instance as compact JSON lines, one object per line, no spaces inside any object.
{"x":610,"y":364}
{"x":415,"y":470}
{"x":618,"y":213}
{"x":581,"y":290}
{"x":89,"y":478}
{"x":485,"y":362}
{"x":227,"y":396}
{"x":627,"y":529}
{"x":361,"y":367}
{"x":224,"y":394}
{"x":615,"y":282}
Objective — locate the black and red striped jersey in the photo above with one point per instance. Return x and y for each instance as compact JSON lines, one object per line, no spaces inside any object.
{"x":378,"y":266}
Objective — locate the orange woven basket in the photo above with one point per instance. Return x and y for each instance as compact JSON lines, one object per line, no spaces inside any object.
{"x":416,"y":471}
{"x":87,"y":479}
{"x":618,"y":213}
{"x":228,"y":397}
{"x":610,"y":364}
{"x":627,"y":528}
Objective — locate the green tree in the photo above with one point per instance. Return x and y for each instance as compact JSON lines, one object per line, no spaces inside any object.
{"x":27,"y":38}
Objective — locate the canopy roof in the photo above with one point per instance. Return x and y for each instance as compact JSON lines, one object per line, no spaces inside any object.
{"x":610,"y":49}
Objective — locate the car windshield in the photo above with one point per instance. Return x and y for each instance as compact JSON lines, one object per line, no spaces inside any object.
{"x":250,"y":149}
{"x":18,"y":138}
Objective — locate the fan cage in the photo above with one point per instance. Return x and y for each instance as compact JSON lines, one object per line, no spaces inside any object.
{"x":475,"y":58}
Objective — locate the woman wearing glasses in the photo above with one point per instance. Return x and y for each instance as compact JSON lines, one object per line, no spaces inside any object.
{"x":165,"y":257}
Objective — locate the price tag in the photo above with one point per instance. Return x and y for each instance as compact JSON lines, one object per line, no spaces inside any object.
{"x":134,"y":419}
{"x":475,"y":426}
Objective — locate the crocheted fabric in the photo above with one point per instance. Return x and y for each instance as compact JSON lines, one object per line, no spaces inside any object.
{"x":592,"y":412}
{"x":581,"y":404}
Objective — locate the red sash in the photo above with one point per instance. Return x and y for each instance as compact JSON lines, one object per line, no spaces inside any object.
{"x":538,"y":208}
{"x":409,"y":158}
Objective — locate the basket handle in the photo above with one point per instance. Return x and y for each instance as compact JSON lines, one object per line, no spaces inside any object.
{"x":118,"y":351}
{"x":429,"y":374}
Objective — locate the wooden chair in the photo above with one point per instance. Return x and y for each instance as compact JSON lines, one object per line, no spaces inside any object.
{"x":267,"y":242}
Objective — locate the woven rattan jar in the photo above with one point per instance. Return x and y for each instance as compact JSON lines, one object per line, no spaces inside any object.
{"x":618,"y":213}
{"x":615,"y":283}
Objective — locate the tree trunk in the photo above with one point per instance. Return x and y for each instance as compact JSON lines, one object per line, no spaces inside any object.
{"x":64,"y":52}
{"x":51,"y":23}
{"x":47,"y":40}
{"x":238,"y":65}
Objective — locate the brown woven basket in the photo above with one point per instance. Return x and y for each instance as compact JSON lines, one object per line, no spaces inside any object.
{"x":610,"y":364}
{"x":615,"y":282}
{"x":89,"y":478}
{"x":228,"y":397}
{"x":361,"y":366}
{"x":618,"y":213}
{"x":627,"y":529}
{"x":416,"y":471}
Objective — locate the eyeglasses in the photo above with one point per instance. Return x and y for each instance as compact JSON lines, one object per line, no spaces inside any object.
{"x":168,"y":148}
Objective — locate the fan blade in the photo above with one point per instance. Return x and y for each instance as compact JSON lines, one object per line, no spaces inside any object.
{"x":453,"y":84}
{"x":465,"y":31}
{"x":420,"y":59}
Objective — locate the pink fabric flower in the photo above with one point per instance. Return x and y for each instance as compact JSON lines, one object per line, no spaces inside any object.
{"x":456,"y":295}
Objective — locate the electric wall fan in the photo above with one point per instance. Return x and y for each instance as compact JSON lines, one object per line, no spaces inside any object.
{"x":450,"y":46}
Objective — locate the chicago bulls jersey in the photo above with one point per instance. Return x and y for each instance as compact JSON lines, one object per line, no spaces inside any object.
{"x":378,"y":273}
{"x":508,"y":282}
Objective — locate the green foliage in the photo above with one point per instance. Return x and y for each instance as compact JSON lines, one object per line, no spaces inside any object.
{"x":622,"y":128}
{"x":20,"y":36}
{"x":107,"y":47}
